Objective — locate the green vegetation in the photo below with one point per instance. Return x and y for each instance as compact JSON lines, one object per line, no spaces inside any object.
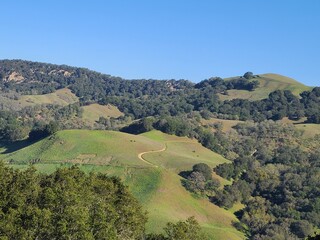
{"x":67,"y":204}
{"x":309,"y":130}
{"x":270,"y":180}
{"x":95,"y":101}
{"x":86,"y":147}
{"x":275,"y":176}
{"x":70,"y":204}
{"x":158,"y":189}
{"x":267,"y":83}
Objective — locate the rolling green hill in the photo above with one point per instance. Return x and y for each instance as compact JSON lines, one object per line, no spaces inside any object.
{"x":268,"y":83}
{"x":147,"y":163}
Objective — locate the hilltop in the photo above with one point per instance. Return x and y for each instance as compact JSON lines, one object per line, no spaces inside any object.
{"x":268,"y":83}
{"x":32,"y":85}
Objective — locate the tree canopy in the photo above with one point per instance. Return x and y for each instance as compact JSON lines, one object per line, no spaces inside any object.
{"x":67,"y":204}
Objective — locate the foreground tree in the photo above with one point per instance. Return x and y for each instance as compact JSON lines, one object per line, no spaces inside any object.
{"x":67,"y":204}
{"x":182,"y":230}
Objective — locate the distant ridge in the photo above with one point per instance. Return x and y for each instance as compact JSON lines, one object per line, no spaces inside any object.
{"x":269,"y":82}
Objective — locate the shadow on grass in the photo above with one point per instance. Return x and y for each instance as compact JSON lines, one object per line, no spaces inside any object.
{"x":15,"y":146}
{"x":185,"y":174}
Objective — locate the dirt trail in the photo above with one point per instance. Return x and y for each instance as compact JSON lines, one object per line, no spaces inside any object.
{"x":140,"y":155}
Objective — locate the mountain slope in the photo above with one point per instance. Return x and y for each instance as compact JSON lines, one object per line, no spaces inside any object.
{"x":156,"y":185}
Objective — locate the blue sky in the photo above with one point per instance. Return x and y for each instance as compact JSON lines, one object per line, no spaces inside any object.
{"x":165,"y":39}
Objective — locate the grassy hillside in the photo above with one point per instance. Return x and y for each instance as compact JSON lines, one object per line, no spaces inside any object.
{"x":268,"y":83}
{"x":93,"y":112}
{"x":86,"y":147}
{"x":181,"y":153}
{"x":147,"y":163}
{"x":61,"y":97}
{"x":309,"y":130}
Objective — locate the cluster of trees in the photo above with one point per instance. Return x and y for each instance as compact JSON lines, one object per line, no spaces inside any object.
{"x":182,"y":230}
{"x":69,"y":204}
{"x":218,"y":85}
{"x":276,"y":177}
{"x":279,"y":104}
{"x":11,"y":128}
{"x":143,"y":98}
{"x":200,"y":180}
{"x":43,"y":130}
{"x":33,"y":121}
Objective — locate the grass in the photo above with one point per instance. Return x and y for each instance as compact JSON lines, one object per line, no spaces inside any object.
{"x":227,"y":125}
{"x":61,"y":97}
{"x":159,"y":188}
{"x":268,"y":83}
{"x":86,"y":147}
{"x":181,"y":153}
{"x":93,"y":112}
{"x":309,"y":130}
{"x":172,"y":202}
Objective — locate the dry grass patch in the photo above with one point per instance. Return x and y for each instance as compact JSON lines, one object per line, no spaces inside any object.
{"x":93,"y":112}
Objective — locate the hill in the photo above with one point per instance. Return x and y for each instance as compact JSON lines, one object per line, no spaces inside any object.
{"x":40,"y":83}
{"x":148,"y":163}
{"x":38,"y":98}
{"x":268,"y":83}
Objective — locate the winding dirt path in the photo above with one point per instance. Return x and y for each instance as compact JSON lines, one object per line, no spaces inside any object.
{"x":140,"y":155}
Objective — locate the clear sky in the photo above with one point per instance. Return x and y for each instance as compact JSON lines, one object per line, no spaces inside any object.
{"x":165,"y":39}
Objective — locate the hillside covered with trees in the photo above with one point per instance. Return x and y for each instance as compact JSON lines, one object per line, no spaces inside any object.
{"x":136,"y":98}
{"x":274,"y":171}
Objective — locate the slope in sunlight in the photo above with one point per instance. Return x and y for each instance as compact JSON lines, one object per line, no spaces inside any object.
{"x":268,"y":83}
{"x":154,"y":180}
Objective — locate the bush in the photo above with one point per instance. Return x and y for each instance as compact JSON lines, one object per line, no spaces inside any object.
{"x":204,"y":169}
{"x":248,"y":75}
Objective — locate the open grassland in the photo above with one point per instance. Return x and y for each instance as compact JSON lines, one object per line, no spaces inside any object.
{"x":93,"y":112}
{"x":309,"y":130}
{"x":157,"y":185}
{"x":268,"y":83}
